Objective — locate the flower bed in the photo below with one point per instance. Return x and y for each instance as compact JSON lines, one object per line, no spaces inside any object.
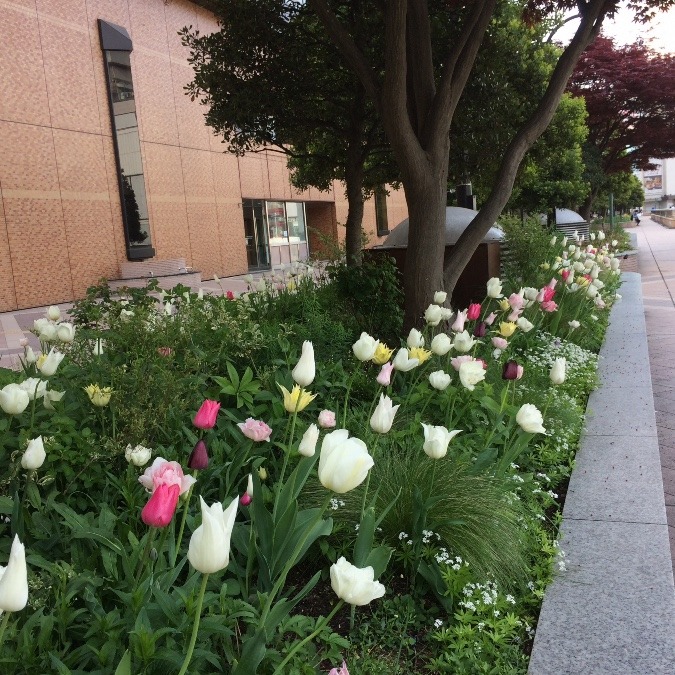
{"x":187,"y":477}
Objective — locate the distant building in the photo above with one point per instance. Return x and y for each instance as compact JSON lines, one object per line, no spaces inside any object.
{"x":659,"y":184}
{"x":105,"y":161}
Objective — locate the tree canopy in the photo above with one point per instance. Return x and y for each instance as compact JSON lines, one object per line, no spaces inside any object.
{"x":630,"y":98}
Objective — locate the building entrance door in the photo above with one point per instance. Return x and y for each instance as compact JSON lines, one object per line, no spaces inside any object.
{"x":255,"y":231}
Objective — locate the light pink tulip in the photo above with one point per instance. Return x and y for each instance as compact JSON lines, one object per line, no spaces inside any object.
{"x":327,"y":419}
{"x":490,"y":318}
{"x":549,"y":306}
{"x":459,"y":360}
{"x":552,"y":283}
{"x":384,"y":378}
{"x":519,"y":371}
{"x":163,"y":472}
{"x":499,"y":343}
{"x":516,"y":301}
{"x":339,"y":671}
{"x":458,"y":325}
{"x":256,"y":430}
{"x":514,"y":315}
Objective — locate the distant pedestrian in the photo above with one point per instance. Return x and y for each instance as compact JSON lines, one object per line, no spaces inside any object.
{"x":636,"y":217}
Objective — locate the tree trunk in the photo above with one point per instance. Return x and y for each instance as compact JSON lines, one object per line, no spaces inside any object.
{"x":423,"y":274}
{"x":586,"y":208}
{"x":354,"y":190}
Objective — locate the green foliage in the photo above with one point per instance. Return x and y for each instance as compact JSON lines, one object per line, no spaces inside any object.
{"x":526,"y":248}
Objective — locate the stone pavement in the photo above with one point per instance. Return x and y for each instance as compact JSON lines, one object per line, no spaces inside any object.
{"x":656,"y":264}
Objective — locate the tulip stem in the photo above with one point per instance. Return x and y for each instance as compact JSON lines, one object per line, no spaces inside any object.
{"x":311,"y":636}
{"x":3,"y":625}
{"x":181,"y":529}
{"x":195,"y":626}
{"x":349,"y":386}
{"x":287,"y":452}
{"x":146,"y":552}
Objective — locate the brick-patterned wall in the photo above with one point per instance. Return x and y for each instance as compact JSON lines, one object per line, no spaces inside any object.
{"x":60,"y":219}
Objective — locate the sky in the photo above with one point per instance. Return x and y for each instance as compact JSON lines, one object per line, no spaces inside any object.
{"x":661,"y":30}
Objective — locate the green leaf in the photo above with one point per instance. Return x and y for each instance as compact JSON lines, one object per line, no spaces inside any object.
{"x":378,"y":559}
{"x":6,"y":504}
{"x":364,"y":539}
{"x":124,"y":666}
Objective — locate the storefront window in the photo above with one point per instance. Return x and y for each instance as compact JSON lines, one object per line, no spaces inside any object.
{"x":276,"y":223}
{"x":295,"y":217}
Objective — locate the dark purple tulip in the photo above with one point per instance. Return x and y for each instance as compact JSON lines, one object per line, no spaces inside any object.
{"x":479,"y":330}
{"x":510,"y":371}
{"x":199,"y":457}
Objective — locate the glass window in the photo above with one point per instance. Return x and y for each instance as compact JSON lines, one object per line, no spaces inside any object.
{"x":295,"y":217}
{"x":117,"y":47}
{"x":276,"y":223}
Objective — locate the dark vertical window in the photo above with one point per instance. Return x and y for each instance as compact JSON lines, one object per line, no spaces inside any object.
{"x":117,"y":47}
{"x":381,"y":218}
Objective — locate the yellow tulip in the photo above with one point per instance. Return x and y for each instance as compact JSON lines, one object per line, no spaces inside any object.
{"x":582,"y":281}
{"x":99,"y":396}
{"x":297,"y":399}
{"x":420,"y":354}
{"x":507,"y":328}
{"x":504,"y":304}
{"x":382,"y":354}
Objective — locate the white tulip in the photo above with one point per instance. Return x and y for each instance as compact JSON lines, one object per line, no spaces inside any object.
{"x":530,"y":419}
{"x":557,"y":373}
{"x":13,"y":399}
{"x":65,"y":332}
{"x":353,"y":585}
{"x":308,"y":441}
{"x":137,"y":455}
{"x":53,"y":313}
{"x":30,"y":355}
{"x":440,"y":297}
{"x":305,"y":370}
{"x":524,"y":325}
{"x":471,"y":373}
{"x":14,"y":579}
{"x":463,"y":342}
{"x":344,"y":462}
{"x":441,"y":344}
{"x":494,"y":288}
{"x":34,"y":387}
{"x":45,"y":329}
{"x":440,"y":380}
{"x":52,"y":396}
{"x":415,"y":339}
{"x":437,"y":439}
{"x":51,"y":363}
{"x":383,"y":417}
{"x":209,"y":549}
{"x":573,"y":324}
{"x":433,"y":315}
{"x":34,"y":455}
{"x":402,"y":362}
{"x":364,"y":348}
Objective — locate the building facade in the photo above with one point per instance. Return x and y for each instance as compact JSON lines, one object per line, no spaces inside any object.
{"x":105,"y":160}
{"x":659,"y":184}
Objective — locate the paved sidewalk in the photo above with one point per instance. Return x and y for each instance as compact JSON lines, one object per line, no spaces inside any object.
{"x":656,"y":264}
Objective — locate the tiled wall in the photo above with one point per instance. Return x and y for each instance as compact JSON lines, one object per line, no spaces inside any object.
{"x":60,"y":220}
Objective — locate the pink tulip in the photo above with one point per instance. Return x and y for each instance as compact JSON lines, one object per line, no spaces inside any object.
{"x":458,"y":325}
{"x":229,"y":295}
{"x":514,"y":315}
{"x":384,"y":378}
{"x":490,"y":318}
{"x":199,"y":457}
{"x":163,"y":472}
{"x":256,"y":430}
{"x":459,"y":360}
{"x":499,"y":343}
{"x":520,"y":372}
{"x":549,"y":306}
{"x":164,"y":351}
{"x":564,"y":274}
{"x":540,"y":296}
{"x":483,"y":362}
{"x":161,"y":506}
{"x":339,"y":671}
{"x":548,"y":293}
{"x":473,"y":312}
{"x":245,"y":499}
{"x":206,"y":415}
{"x":327,"y":419}
{"x":552,"y":283}
{"x":516,"y":301}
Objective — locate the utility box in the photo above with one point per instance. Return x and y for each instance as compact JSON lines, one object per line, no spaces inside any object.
{"x":483,"y":265}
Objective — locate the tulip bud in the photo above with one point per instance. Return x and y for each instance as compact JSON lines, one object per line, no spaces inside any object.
{"x":437,"y":439}
{"x":480,"y":329}
{"x":199,"y":457}
{"x":494,"y":288}
{"x":530,"y":419}
{"x":441,"y":344}
{"x":53,"y":313}
{"x":432,"y":315}
{"x":65,"y":332}
{"x":327,"y":419}
{"x":415,"y":339}
{"x":365,"y":347}
{"x":209,"y":549}
{"x":13,"y":399}
{"x":344,"y":462}
{"x":439,"y":380}
{"x":384,"y":376}
{"x":307,"y":446}
{"x":440,"y":297}
{"x":557,"y":373}
{"x":473,"y":312}
{"x":262,"y":473}
{"x":383,"y":417}
{"x":137,"y":455}
{"x":305,"y":370}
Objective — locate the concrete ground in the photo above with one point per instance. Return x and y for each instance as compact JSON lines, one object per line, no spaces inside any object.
{"x":656,"y":264}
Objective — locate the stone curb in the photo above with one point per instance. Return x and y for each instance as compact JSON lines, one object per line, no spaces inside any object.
{"x":613,"y":611}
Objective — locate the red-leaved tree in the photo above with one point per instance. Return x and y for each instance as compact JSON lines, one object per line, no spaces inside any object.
{"x":630,"y":99}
